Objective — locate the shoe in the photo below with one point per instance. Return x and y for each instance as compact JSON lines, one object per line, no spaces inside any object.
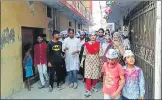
{"x":50,"y":89}
{"x":47,"y":84}
{"x":71,"y":85}
{"x":41,"y":87}
{"x":94,"y":89}
{"x":58,"y":86}
{"x":87,"y":93}
{"x":29,"y":89}
{"x":75,"y":85}
{"x":61,"y":83}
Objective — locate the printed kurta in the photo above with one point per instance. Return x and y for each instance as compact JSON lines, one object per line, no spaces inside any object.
{"x":72,"y":61}
{"x":92,"y":64}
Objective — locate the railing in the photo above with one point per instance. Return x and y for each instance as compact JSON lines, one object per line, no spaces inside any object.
{"x":81,"y":9}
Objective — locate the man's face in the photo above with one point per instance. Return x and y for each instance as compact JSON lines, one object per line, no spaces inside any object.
{"x":112,"y":61}
{"x":130,"y":60}
{"x":57,"y":36}
{"x":71,"y":34}
{"x":39,"y":39}
{"x":100,"y":33}
{"x":97,"y":32}
{"x":81,"y":37}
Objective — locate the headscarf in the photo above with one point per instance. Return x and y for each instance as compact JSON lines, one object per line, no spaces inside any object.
{"x":119,"y":37}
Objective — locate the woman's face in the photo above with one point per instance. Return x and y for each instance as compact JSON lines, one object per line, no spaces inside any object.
{"x":107,"y":40}
{"x":93,"y":37}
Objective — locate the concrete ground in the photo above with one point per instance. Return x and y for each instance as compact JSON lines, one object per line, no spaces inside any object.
{"x":65,"y":93}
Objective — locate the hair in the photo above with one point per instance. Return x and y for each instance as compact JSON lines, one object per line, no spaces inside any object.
{"x":101,"y":30}
{"x":70,"y":29}
{"x":108,"y":30}
{"x":55,"y":32}
{"x":26,"y":48}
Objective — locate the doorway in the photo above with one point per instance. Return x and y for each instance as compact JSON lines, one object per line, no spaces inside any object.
{"x":29,"y":35}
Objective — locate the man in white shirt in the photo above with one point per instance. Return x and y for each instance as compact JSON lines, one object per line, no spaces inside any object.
{"x":71,"y":47}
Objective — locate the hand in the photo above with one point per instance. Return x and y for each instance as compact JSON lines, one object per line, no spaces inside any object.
{"x":35,"y":65}
{"x":141,"y":98}
{"x":73,"y":53}
{"x":49,"y":64}
{"x":114,"y":95}
{"x":66,"y":49}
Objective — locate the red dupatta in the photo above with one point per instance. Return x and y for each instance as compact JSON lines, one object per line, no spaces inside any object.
{"x":92,"y":48}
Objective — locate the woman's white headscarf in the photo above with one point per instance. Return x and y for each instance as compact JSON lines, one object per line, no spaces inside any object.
{"x":119,"y":37}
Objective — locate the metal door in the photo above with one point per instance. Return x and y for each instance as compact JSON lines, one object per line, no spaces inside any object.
{"x":142,"y":27}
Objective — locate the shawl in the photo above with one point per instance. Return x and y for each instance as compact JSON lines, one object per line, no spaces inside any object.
{"x":92,"y":48}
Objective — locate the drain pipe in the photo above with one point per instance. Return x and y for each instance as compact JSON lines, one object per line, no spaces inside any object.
{"x":157,"y":85}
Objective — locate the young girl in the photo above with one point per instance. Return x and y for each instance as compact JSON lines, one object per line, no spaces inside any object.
{"x":134,"y":86}
{"x":27,"y":63}
{"x":113,"y":73}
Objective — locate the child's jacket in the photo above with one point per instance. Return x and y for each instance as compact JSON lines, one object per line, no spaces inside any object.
{"x":134,"y":85}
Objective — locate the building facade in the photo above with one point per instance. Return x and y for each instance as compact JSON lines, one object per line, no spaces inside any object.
{"x":22,"y":21}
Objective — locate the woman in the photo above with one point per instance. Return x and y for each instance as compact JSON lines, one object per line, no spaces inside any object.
{"x":118,"y":45}
{"x":106,"y":46}
{"x":92,"y":52}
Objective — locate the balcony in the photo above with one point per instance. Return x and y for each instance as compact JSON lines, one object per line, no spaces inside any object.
{"x":79,"y":9}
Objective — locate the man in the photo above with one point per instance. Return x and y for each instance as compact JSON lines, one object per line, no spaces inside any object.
{"x":71,"y":48}
{"x":62,"y":38}
{"x":101,"y":38}
{"x":82,"y":38}
{"x":82,"y":41}
{"x":40,"y":60}
{"x":45,"y":38}
{"x":54,"y":58}
{"x":107,"y":33}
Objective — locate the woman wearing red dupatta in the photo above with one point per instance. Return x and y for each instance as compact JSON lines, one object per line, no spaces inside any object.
{"x":92,"y":52}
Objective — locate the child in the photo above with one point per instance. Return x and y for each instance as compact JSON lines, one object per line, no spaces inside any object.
{"x":27,"y":63}
{"x":113,"y":73}
{"x":134,"y":86}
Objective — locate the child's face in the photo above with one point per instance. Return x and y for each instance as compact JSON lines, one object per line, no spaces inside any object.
{"x":130,"y":60}
{"x":112,"y":61}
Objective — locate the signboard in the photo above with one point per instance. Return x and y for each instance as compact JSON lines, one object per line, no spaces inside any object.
{"x":111,"y":26}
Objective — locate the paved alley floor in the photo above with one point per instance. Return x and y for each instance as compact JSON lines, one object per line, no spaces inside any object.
{"x":65,"y":93}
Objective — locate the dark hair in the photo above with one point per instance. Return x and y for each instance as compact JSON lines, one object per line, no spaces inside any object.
{"x":70,"y":29}
{"x":108,"y":30}
{"x":101,"y":30}
{"x":40,"y":35}
{"x":55,"y":32}
{"x":27,"y":47}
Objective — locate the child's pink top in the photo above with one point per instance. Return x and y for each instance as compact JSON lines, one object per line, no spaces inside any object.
{"x":111,"y":77}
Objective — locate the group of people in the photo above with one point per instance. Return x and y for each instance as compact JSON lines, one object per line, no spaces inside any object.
{"x":95,"y":56}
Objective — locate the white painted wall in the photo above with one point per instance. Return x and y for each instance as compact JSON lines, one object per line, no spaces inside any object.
{"x":157,"y":91}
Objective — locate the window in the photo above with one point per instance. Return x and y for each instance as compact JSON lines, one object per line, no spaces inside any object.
{"x":79,"y":26}
{"x":49,"y":12}
{"x":70,"y":24}
{"x":78,"y":4}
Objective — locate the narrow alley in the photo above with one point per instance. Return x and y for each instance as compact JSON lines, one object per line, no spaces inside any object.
{"x":41,"y":40}
{"x":63,"y":93}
